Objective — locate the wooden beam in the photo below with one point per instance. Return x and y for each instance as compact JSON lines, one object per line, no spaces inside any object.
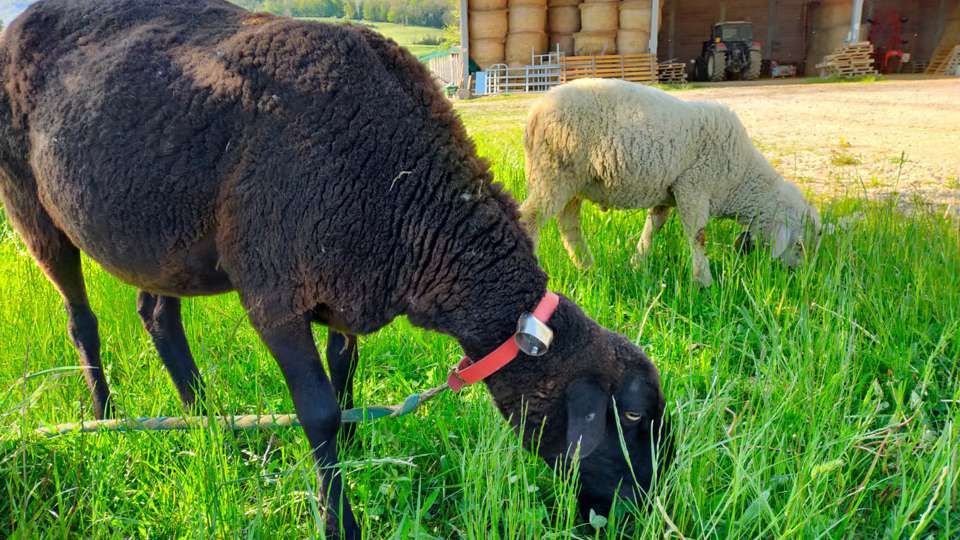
{"x":771,"y":29}
{"x":654,"y":26}
{"x":464,"y":91}
{"x":854,"y":35}
{"x":672,"y":35}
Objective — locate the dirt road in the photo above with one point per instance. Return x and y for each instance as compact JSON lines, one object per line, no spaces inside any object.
{"x":894,"y":136}
{"x":886,"y":137}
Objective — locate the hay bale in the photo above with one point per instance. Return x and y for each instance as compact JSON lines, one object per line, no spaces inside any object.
{"x":560,"y":3}
{"x":633,"y":41}
{"x":528,"y":18}
{"x":599,"y":17}
{"x":522,"y":45}
{"x":564,"y":19}
{"x":488,"y":24}
{"x":486,"y":5}
{"x":515,"y":3}
{"x":635,"y":15}
{"x":563,"y":41}
{"x":592,"y":43}
{"x":486,"y":52}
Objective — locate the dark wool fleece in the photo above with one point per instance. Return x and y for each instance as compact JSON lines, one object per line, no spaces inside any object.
{"x":192,"y":148}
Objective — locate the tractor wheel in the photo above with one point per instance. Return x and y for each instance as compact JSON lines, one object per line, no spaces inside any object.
{"x":700,"y":70}
{"x":717,"y":66}
{"x":752,"y":72}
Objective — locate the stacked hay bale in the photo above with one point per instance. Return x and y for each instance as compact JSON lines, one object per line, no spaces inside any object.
{"x":633,"y":37}
{"x":564,"y":22}
{"x":512,"y":31}
{"x":488,"y":31}
{"x":599,"y":20}
{"x":527,"y":31}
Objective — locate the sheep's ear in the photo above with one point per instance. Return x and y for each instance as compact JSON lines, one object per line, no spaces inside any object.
{"x":586,"y":416}
{"x":781,"y":241}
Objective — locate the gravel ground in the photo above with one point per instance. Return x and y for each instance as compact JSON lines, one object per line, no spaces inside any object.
{"x":896,"y":136}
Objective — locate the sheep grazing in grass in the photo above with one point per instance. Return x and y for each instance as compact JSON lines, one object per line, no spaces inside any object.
{"x":624,"y":145}
{"x":191,"y":148}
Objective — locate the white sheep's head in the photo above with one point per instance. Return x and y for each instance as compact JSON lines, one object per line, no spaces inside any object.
{"x":794,"y":231}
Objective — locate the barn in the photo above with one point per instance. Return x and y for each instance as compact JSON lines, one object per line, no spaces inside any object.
{"x":910,"y":36}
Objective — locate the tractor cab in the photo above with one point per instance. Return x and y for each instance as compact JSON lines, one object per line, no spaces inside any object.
{"x":733,"y":31}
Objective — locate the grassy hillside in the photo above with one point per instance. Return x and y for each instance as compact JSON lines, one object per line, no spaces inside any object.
{"x":807,"y":404}
{"x":406,"y":35}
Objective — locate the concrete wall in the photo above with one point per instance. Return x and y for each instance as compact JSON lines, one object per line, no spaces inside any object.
{"x":941,"y":24}
{"x":829,"y":27}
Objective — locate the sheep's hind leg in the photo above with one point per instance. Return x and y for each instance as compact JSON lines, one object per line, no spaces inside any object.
{"x":342,"y":357}
{"x":570,"y":232}
{"x":315,"y":401}
{"x":694,"y":213}
{"x":656,"y":217}
{"x":161,"y":318}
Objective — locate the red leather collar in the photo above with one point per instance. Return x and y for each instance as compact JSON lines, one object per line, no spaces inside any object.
{"x":469,"y":372}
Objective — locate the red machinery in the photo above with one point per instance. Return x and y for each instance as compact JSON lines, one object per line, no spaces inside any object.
{"x":886,"y":34}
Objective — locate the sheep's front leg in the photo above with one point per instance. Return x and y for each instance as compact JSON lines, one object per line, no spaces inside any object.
{"x":569,"y":224}
{"x":535,"y":212}
{"x":656,"y":217}
{"x":694,"y":212}
{"x":544,"y":200}
{"x":316,"y":404}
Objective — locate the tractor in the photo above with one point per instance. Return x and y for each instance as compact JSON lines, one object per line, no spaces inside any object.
{"x":731,"y":50}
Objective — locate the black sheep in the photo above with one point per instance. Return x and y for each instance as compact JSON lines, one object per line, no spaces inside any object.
{"x":193,"y":148}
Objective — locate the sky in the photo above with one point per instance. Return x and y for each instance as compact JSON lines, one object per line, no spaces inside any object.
{"x":9,"y":9}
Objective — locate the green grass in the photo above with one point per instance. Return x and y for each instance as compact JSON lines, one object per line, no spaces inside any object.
{"x":816,"y":403}
{"x":844,"y":79}
{"x":406,"y":35}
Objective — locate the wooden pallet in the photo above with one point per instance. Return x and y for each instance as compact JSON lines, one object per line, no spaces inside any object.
{"x":852,"y":60}
{"x":641,"y":68}
{"x":672,"y":72}
{"x":944,"y":61}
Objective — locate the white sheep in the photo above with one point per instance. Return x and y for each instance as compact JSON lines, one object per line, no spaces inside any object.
{"x":624,"y":145}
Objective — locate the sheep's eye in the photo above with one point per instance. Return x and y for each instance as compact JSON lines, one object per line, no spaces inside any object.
{"x":632,"y":416}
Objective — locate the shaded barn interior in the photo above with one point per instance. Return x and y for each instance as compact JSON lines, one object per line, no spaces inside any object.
{"x":909,"y":36}
{"x":802,"y":32}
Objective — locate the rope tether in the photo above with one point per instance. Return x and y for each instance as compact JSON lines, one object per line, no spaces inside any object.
{"x":239,"y":422}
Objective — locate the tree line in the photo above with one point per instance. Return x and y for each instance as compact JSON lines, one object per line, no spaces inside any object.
{"x":435,"y":13}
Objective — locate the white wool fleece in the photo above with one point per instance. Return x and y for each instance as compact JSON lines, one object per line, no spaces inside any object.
{"x":625,"y":145}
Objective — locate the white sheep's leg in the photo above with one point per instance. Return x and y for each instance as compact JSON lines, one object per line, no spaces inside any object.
{"x":656,"y":217}
{"x":569,"y":224}
{"x":537,"y":210}
{"x":694,"y":213}
{"x":533,"y":216}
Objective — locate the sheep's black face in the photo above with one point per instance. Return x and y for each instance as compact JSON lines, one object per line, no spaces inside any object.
{"x":592,"y":418}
